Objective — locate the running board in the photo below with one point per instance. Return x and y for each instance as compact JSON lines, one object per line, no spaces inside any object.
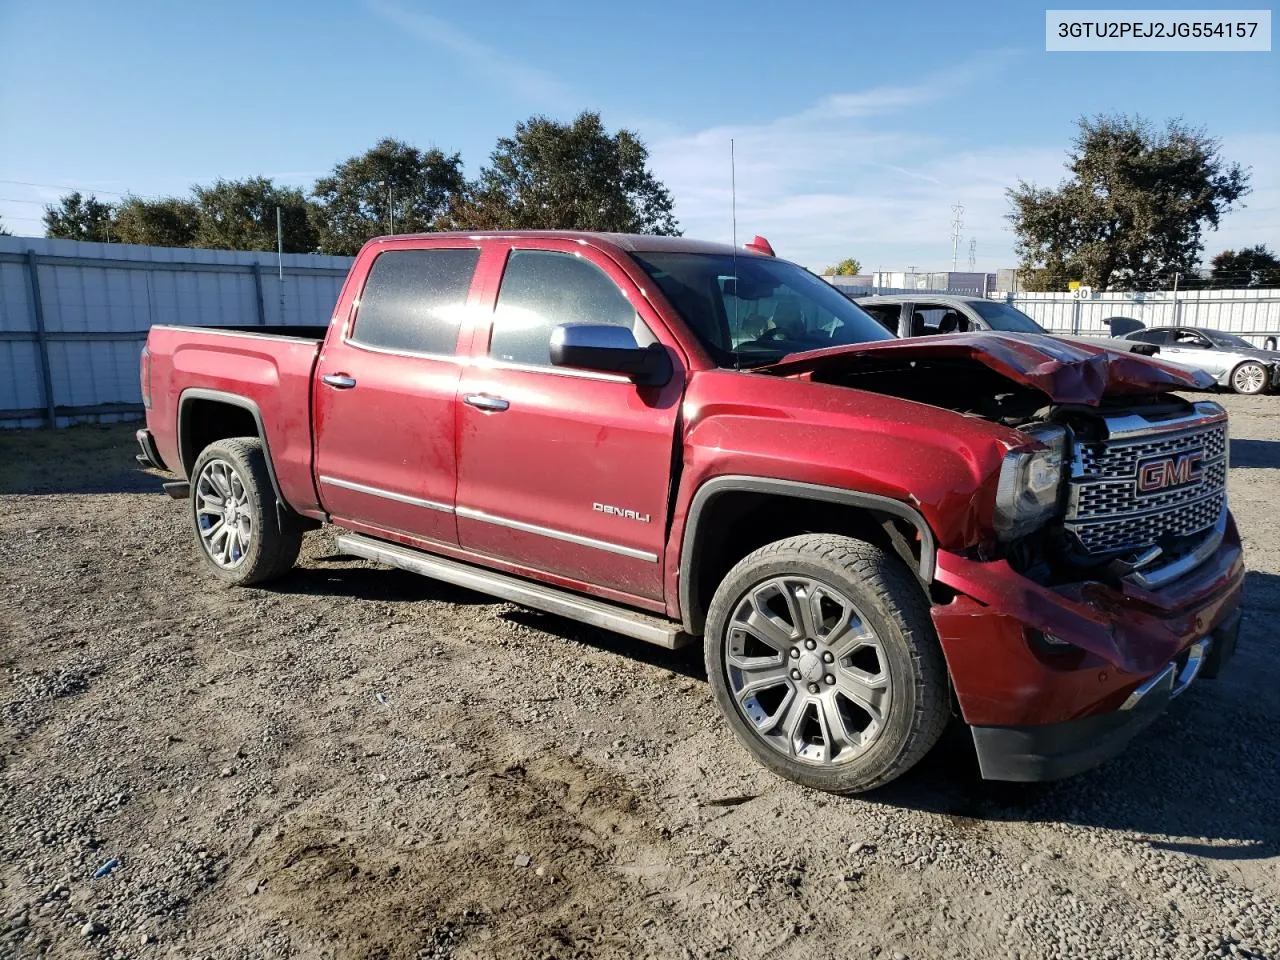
{"x":597,"y":613}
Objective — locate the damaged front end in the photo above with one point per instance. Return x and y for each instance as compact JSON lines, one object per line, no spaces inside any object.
{"x":1111,"y":573}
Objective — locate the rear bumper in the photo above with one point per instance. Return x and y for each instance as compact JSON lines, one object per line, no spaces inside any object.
{"x":149,"y":457}
{"x":1056,"y":750}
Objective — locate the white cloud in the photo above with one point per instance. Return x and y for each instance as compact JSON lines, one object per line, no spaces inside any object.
{"x":518,"y":80}
{"x":844,"y":177}
{"x":859,"y":174}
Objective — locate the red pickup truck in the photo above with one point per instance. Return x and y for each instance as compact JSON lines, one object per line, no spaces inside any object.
{"x":674,"y":440}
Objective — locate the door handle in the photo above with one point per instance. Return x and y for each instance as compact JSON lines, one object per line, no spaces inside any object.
{"x":483,"y":401}
{"x":339,"y":381}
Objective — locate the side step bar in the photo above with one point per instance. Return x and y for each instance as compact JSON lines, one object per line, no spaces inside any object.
{"x":540,"y":596}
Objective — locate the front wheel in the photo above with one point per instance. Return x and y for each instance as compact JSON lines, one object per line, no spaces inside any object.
{"x":821,"y":653}
{"x":1249,"y":378}
{"x":243,"y":538}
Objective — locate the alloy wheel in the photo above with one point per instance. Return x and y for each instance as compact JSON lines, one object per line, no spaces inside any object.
{"x":223,"y":514}
{"x":807,"y":671}
{"x":1249,"y":378}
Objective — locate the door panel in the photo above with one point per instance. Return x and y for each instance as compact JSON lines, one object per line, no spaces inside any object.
{"x":571,"y":476}
{"x":386,"y":394}
{"x":385,"y":447}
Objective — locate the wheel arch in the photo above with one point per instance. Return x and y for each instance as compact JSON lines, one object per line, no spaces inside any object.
{"x":206,"y":416}
{"x":707,"y":552}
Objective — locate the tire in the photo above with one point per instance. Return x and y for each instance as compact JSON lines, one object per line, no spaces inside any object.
{"x":1249,"y":378}
{"x":266,"y":539}
{"x":871,"y":655}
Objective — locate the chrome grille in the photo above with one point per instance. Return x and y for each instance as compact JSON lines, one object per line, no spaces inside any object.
{"x":1106,"y":512}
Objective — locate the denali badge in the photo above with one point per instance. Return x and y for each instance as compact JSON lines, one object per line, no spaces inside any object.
{"x":1164,"y":472}
{"x":619,"y":512}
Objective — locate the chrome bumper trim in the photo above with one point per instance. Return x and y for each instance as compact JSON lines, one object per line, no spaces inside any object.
{"x":1170,"y":679}
{"x":1162,"y":576}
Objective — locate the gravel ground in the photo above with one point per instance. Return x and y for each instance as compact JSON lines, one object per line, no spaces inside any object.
{"x":358,"y":762}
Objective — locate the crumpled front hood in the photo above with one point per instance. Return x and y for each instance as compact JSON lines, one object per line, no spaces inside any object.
{"x":1067,"y":372}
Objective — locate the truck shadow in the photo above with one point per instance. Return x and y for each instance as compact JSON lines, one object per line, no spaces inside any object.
{"x":687,"y":661}
{"x":370,"y":583}
{"x":1255,"y":453}
{"x":1202,"y":780}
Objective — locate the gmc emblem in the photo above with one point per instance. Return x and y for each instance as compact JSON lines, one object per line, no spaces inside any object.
{"x":1165,"y":472}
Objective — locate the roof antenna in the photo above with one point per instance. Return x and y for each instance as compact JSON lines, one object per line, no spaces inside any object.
{"x":733,"y":212}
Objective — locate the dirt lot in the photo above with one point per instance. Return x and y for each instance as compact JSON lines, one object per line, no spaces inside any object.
{"x":360,"y":763}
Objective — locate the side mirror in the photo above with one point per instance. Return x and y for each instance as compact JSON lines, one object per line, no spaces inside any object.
{"x":610,"y":349}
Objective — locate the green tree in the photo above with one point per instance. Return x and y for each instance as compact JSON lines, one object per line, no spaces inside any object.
{"x":169,"y":222}
{"x":1250,"y":267}
{"x":848,"y":267}
{"x":391,"y":188}
{"x":241,"y":215}
{"x":568,"y":176}
{"x":3,"y":231}
{"x":1133,"y":211}
{"x":77,"y":217}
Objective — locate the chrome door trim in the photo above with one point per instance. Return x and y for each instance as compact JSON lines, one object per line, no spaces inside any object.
{"x":416,"y":354}
{"x":470,"y":513}
{"x":387,"y":494}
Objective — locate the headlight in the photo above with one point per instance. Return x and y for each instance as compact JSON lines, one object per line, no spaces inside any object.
{"x":1030,"y":484}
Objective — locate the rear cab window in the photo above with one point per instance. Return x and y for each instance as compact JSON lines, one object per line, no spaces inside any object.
{"x":414,"y":300}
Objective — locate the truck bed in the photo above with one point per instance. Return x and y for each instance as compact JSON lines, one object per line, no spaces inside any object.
{"x":266,"y":370}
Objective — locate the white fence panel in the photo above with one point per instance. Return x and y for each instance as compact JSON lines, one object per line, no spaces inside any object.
{"x":1252,"y":314}
{"x":71,"y":354}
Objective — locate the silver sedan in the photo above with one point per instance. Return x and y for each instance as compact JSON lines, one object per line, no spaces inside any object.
{"x":1231,"y":360}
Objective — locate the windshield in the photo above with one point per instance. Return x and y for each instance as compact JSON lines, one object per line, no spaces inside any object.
{"x":1001,"y":316}
{"x":773,"y":308}
{"x":1227,"y":340}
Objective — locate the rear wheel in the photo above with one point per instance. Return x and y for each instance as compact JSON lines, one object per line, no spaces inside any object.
{"x":1249,"y":378}
{"x":821,"y":654}
{"x":243,"y":538}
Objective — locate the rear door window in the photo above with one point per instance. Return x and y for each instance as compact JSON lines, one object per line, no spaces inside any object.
{"x":413,"y":301}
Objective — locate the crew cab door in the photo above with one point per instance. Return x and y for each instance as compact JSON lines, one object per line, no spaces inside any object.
{"x":565,"y":471}
{"x":385,"y":394}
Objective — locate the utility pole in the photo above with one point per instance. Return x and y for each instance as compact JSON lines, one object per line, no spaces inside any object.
{"x":280,"y":259}
{"x":973,"y":253}
{"x":957,"y":228}
{"x":391,"y":211}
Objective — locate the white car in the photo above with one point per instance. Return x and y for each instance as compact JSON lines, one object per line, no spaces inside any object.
{"x":1233,"y":361}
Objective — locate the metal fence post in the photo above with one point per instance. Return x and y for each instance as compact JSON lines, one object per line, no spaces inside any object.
{"x":42,"y":342}
{"x":257,"y":285}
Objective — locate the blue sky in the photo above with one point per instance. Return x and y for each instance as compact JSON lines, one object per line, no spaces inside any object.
{"x":856,"y":126}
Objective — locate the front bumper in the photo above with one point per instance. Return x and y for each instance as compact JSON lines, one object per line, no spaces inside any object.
{"x":1046,"y":677}
{"x":1056,"y":750}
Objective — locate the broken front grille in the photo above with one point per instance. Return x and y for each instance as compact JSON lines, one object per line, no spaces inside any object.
{"x":1148,"y":482}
